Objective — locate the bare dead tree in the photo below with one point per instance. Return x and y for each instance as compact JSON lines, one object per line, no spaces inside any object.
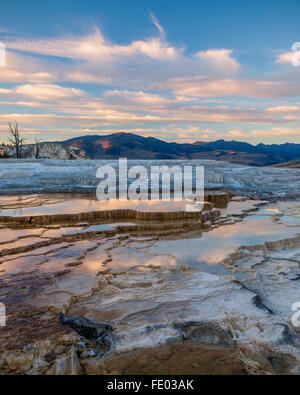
{"x":15,"y":138}
{"x":92,"y":150}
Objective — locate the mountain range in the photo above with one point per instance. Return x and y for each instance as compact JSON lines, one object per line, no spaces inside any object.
{"x":131,"y":146}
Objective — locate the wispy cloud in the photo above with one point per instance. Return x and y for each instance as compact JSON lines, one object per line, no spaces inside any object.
{"x":238,"y":134}
{"x":138,"y":98}
{"x":95,"y":47}
{"x":285,"y":57}
{"x":221,"y":59}
{"x":277,"y":132}
{"x":48,"y":92}
{"x":96,"y":59}
{"x":155,"y":22}
{"x":200,"y":86}
{"x":89,"y":83}
{"x":283,"y":109}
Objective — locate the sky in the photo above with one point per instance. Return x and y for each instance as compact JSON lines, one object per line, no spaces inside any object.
{"x":177,"y":70}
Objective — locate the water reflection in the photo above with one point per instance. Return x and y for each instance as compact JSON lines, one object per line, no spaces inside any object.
{"x":209,"y":250}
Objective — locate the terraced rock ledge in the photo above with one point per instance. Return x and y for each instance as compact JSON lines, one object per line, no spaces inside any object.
{"x":134,"y":291}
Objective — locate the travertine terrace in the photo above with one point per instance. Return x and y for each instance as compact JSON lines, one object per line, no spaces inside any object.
{"x":113,"y":290}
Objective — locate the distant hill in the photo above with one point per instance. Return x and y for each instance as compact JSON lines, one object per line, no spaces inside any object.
{"x":132,"y":146}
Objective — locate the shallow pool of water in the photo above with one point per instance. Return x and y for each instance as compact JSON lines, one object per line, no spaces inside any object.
{"x":209,"y":249}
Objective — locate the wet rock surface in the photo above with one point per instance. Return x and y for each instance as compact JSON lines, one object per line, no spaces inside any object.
{"x":105,"y":296}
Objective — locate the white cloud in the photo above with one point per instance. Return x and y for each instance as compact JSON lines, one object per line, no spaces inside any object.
{"x":283,"y":109}
{"x":285,"y":57}
{"x":14,"y":76}
{"x":5,"y":91}
{"x":95,"y":59}
{"x":48,"y":92}
{"x":20,"y":68}
{"x":220,"y":59}
{"x":96,"y":114}
{"x":150,"y":82}
{"x":238,"y":134}
{"x":200,"y":86}
{"x":139,"y":97}
{"x":95,"y":47}
{"x":83,"y":77}
{"x":190,"y":134}
{"x":277,"y":132}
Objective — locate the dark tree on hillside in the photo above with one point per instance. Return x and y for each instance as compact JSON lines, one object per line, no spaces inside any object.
{"x":37,"y":148}
{"x":92,"y":150}
{"x":15,"y":138}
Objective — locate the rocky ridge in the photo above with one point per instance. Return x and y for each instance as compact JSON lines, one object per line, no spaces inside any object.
{"x":44,"y":151}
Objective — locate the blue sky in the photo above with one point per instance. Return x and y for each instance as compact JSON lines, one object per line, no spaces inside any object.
{"x":176,"y":70}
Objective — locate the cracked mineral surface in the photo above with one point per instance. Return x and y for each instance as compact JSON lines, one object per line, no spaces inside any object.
{"x":106,"y":288}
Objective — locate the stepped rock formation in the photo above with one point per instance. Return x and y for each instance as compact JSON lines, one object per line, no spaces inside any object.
{"x":108,"y":296}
